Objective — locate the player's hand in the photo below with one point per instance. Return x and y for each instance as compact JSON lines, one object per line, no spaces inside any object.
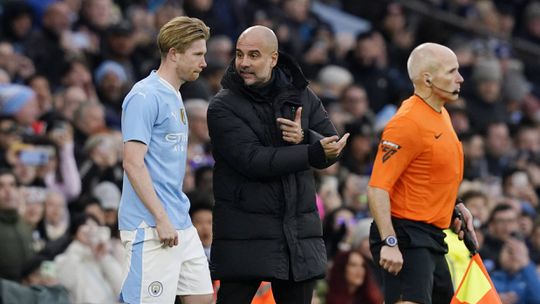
{"x":292,"y":130}
{"x":391,"y":259}
{"x":332,"y":147}
{"x":166,"y":232}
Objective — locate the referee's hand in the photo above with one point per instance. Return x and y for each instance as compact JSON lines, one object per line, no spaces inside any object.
{"x":167,"y":235}
{"x":391,"y":259}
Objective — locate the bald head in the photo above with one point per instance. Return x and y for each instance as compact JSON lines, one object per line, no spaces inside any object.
{"x":256,"y":55}
{"x":261,"y":36}
{"x":427,"y":58}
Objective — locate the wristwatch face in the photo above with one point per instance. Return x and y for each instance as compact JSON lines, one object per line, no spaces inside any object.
{"x":390,"y":241}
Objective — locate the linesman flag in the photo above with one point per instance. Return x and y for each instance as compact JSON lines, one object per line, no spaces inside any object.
{"x":476,"y":286}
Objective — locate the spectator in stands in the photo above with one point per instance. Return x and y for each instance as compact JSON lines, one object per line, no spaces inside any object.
{"x":15,"y":234}
{"x":517,"y":185}
{"x":351,"y":281}
{"x":9,"y":135}
{"x":87,"y":268}
{"x":499,"y":148}
{"x":475,"y":163}
{"x":76,"y":72}
{"x":201,"y":216}
{"x":60,"y":173}
{"x":359,"y":154}
{"x":20,"y":102}
{"x":198,"y":128}
{"x":102,"y":163}
{"x":56,"y":218}
{"x":354,"y":101}
{"x":46,"y":47}
{"x":485,"y":105}
{"x":368,"y":62}
{"x":40,"y":85}
{"x":16,"y":23}
{"x":111,"y":85}
{"x":517,"y":281}
{"x":338,"y":227}
{"x":332,"y":80}
{"x":502,"y":223}
{"x":69,"y":101}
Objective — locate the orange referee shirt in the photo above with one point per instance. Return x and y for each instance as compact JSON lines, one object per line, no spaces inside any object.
{"x":420,"y":163}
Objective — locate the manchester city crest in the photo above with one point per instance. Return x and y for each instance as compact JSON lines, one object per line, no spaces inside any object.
{"x":183,"y":115}
{"x":155,"y":289}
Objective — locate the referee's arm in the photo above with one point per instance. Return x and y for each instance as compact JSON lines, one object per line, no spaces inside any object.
{"x":379,"y":205}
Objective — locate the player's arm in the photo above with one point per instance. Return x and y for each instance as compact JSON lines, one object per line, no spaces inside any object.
{"x":140,"y":180}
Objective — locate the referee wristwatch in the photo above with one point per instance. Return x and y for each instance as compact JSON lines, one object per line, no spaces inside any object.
{"x":390,"y":241}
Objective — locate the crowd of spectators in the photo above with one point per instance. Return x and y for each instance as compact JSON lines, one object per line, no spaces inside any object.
{"x":66,"y":65}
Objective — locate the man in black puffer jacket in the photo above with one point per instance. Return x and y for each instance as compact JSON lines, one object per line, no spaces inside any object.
{"x":267,"y":129}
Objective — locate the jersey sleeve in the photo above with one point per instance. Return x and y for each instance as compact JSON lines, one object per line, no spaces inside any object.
{"x":400,"y":144}
{"x":139,"y":114}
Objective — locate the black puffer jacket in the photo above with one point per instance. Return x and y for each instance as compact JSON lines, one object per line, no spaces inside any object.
{"x":265,"y":217}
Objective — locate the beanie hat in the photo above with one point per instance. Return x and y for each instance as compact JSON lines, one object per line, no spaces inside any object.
{"x":13,"y":97}
{"x":110,"y":67}
{"x":487,"y":69}
{"x":108,"y":195}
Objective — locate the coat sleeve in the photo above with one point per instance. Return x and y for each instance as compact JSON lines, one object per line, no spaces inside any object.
{"x":319,"y":122}
{"x":319,"y":127}
{"x":234,"y":140}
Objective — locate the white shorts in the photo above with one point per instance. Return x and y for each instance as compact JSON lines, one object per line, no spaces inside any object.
{"x":156,"y":274}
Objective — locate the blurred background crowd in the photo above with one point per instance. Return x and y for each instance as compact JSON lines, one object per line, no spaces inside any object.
{"x":66,"y":65}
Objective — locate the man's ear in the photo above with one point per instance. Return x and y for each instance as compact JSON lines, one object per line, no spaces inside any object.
{"x":172,"y":54}
{"x":275,"y":56}
{"x":427,"y":79}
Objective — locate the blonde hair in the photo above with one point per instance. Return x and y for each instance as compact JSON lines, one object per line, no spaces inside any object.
{"x":180,"y":32}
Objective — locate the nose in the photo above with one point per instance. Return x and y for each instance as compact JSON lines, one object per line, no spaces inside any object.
{"x":203,"y":63}
{"x":244,"y":61}
{"x":460,"y":78}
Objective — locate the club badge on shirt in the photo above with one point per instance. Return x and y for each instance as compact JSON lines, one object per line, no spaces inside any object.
{"x":389,"y":148}
{"x":183,"y":115}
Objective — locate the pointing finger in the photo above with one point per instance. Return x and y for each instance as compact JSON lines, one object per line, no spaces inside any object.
{"x":298,"y":116}
{"x":343,"y":139}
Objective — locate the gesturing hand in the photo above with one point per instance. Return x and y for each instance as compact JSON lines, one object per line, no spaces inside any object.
{"x":332,"y":147}
{"x":292,"y":130}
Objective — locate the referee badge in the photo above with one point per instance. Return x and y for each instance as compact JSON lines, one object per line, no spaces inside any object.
{"x":389,"y":148}
{"x":155,"y":289}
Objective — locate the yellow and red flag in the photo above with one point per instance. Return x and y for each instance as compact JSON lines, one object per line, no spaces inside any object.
{"x":476,"y":286}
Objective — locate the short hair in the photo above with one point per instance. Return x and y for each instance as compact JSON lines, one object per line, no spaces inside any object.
{"x":498,"y":209}
{"x":474,"y":194}
{"x":180,"y":32}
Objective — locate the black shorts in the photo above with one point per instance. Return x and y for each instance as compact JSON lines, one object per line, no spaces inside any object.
{"x":425,"y":277}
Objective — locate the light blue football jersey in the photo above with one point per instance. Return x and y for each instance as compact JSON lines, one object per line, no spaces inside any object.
{"x":153,"y":113}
